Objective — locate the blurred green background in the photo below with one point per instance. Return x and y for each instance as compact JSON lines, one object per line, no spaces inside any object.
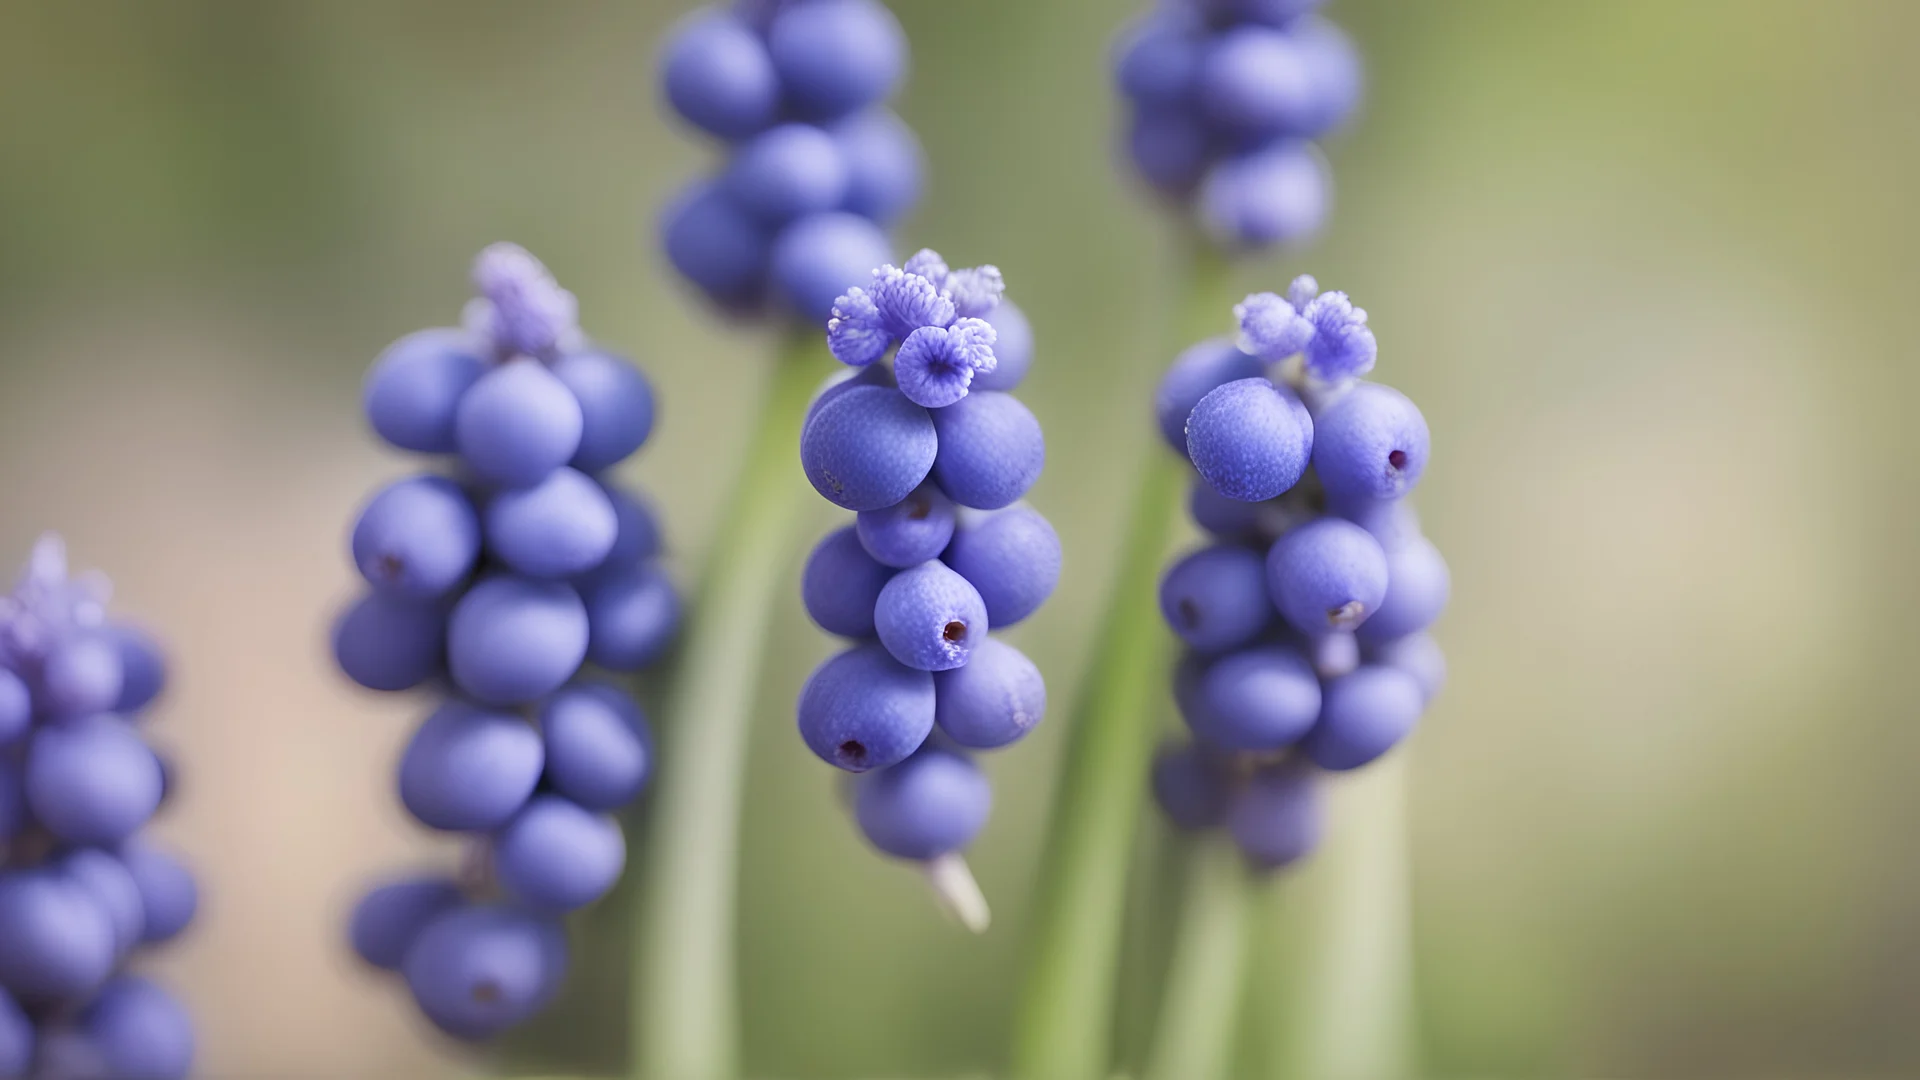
{"x":1648,"y":267}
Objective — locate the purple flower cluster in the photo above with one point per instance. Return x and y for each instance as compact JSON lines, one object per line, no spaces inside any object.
{"x":496,"y":583}
{"x":80,"y":892}
{"x":1305,"y":617}
{"x":819,"y":168}
{"x":933,"y":454}
{"x":1227,"y":97}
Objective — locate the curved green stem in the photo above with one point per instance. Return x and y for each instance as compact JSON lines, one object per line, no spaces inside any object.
{"x":1193,"y":1038}
{"x":685,"y":1025}
{"x":1063,"y":1030}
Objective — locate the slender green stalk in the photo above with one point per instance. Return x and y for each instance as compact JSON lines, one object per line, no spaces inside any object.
{"x":685,"y":1025}
{"x":1063,"y":1030}
{"x":1193,"y":1038}
{"x":1346,"y":1010}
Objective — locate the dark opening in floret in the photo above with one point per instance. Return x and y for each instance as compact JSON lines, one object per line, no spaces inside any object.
{"x":1397,"y":460}
{"x":1189,"y":613}
{"x":1346,"y":614}
{"x":918,"y":506}
{"x":852,"y":752}
{"x":955,"y":631}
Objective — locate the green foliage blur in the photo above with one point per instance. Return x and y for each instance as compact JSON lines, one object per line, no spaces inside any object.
{"x":1647,"y":266}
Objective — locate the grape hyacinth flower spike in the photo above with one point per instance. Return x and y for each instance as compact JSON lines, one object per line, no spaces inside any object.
{"x":818,"y":167}
{"x":81,"y":892}
{"x":941,"y":550}
{"x":497,"y":583}
{"x":1305,"y":618}
{"x":1227,"y":99}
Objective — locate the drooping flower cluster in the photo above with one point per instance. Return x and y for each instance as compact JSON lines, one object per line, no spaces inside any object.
{"x":818,"y":167}
{"x":495,"y":584}
{"x":933,"y":454}
{"x":80,"y":892}
{"x":1227,"y":97}
{"x":1305,"y":617}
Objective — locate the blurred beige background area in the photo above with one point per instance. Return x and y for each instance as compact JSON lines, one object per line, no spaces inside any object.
{"x":1647,"y":266}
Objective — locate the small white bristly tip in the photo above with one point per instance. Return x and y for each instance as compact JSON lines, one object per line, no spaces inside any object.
{"x":953,"y":883}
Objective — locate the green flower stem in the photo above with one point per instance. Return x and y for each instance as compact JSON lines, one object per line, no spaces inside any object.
{"x":685,"y":1025}
{"x":1063,"y":1029}
{"x":1344,"y":1009}
{"x":1193,"y":1038}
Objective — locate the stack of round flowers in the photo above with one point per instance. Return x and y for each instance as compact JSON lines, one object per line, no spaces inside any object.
{"x":1227,"y":96}
{"x":818,"y":168}
{"x":494,"y":584}
{"x":933,"y":454}
{"x":80,"y":892}
{"x":1305,"y":618}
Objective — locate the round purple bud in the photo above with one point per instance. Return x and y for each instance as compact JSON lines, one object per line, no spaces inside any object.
{"x":419,"y":538}
{"x":1276,"y":816}
{"x":717,"y":75}
{"x":842,"y":583}
{"x":1250,"y":439}
{"x":616,"y":407}
{"x":885,"y":165}
{"x":868,"y":447}
{"x":909,"y":532}
{"x":785,"y":172}
{"x":1372,"y":443}
{"x":932,"y":804}
{"x":517,"y":424}
{"x":414,"y":388}
{"x":1216,"y":598}
{"x":930,"y":618}
{"x":1259,"y":700}
{"x":558,"y":856}
{"x":387,"y":642}
{"x":1012,"y":557}
{"x":716,"y":245}
{"x":865,"y":710}
{"x":836,"y":56}
{"x":991,"y":450}
{"x":467,"y":769}
{"x":1195,"y":373}
{"x":562,"y":526}
{"x":1327,"y":575}
{"x":1365,"y":714}
{"x":632,"y":616}
{"x":818,"y":258}
{"x":994,"y":700}
{"x":1275,"y":195}
{"x":512,"y":640}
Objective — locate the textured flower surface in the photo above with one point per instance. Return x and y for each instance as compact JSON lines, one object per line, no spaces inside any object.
{"x":82,"y":893}
{"x":501,"y":586}
{"x":941,"y":549}
{"x":1331,"y":333}
{"x":934,"y":314}
{"x":1305,"y":617}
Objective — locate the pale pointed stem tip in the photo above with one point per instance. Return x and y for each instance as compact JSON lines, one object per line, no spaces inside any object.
{"x":958,"y":892}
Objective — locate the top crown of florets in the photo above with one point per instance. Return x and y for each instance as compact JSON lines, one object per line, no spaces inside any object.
{"x":1325,"y":329}
{"x":935,"y":315}
{"x":519,"y":307}
{"x":46,"y":604}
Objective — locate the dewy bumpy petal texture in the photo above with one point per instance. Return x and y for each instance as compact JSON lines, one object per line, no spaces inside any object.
{"x":1307,"y":618}
{"x":498,"y":585}
{"x":919,"y":448}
